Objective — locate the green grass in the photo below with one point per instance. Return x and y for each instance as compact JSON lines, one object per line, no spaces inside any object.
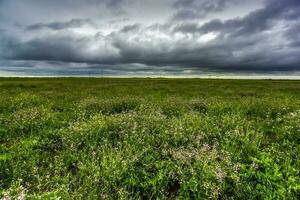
{"x":80,"y":138}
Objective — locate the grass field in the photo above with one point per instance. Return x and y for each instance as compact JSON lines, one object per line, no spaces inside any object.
{"x":81,"y":138}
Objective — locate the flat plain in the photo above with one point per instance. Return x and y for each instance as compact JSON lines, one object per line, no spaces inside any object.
{"x":139,"y":138}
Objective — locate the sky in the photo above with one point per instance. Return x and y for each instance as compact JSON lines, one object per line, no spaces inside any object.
{"x":149,"y":37}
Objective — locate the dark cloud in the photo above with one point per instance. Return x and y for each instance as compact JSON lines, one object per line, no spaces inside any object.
{"x":74,"y":23}
{"x":65,"y":48}
{"x":129,"y":28}
{"x":256,"y":21}
{"x":44,"y":11}
{"x":293,"y":35}
{"x":264,"y":40}
{"x":114,"y":3}
{"x":192,"y":9}
{"x":62,"y":68}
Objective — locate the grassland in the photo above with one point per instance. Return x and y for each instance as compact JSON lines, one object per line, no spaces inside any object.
{"x":80,"y":138}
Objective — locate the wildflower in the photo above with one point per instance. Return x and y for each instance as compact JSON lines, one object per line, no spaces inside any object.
{"x":103,"y":195}
{"x":22,"y":194}
{"x":6,"y":197}
{"x":255,"y":166}
{"x":206,"y":147}
{"x":237,"y":168}
{"x":220,"y":175}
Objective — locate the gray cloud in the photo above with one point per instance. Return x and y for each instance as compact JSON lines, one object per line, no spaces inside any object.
{"x":198,"y":8}
{"x":65,"y":47}
{"x":293,"y":36}
{"x":130,"y":28}
{"x":263,"y":40}
{"x":256,"y":21}
{"x":74,"y":23}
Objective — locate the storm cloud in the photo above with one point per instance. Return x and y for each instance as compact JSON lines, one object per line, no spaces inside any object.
{"x":149,"y":37}
{"x":198,"y":9}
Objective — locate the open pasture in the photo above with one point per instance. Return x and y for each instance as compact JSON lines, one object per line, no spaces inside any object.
{"x":105,"y":138}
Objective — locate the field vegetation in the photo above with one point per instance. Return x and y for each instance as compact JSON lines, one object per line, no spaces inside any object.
{"x":102,"y":138}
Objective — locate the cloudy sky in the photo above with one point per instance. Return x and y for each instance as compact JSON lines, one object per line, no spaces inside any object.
{"x":149,"y":37}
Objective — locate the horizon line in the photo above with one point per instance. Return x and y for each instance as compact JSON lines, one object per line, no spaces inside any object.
{"x":235,"y":77}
